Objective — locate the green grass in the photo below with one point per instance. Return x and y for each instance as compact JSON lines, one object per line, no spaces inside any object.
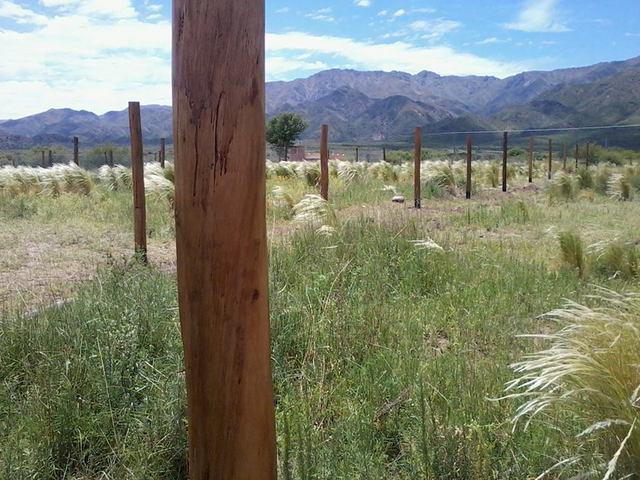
{"x":384,"y":356}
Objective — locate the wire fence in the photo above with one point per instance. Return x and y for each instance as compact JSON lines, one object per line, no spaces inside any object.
{"x":591,"y":142}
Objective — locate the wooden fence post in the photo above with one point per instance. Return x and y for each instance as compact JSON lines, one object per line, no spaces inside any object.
{"x":137,"y":177}
{"x":324,"y":162}
{"x":219,"y":142}
{"x":357,"y":154}
{"x":384,"y":154}
{"x":76,"y":150}
{"x":564,"y":157}
{"x":469,"y":159}
{"x":577,"y":155}
{"x":51,"y":158}
{"x":111,"y":158}
{"x":417,"y":160}
{"x":44,"y":162}
{"x":550,"y":158}
{"x":163,"y":151}
{"x":505,"y":156}
{"x":531,"y":140}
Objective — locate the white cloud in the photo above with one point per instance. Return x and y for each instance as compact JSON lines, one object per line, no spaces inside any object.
{"x":434,"y":29}
{"x":388,"y":56}
{"x":19,"y":14}
{"x":489,"y":41}
{"x":323,"y":14}
{"x":539,"y":16}
{"x":400,"y":13}
{"x":363,"y":3}
{"x":101,"y":8}
{"x":94,"y":61}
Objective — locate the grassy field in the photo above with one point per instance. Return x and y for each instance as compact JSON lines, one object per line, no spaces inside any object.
{"x":393,"y":330}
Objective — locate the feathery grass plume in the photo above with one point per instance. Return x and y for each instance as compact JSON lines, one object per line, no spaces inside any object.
{"x":169,"y":172}
{"x":585,"y":178}
{"x":426,"y":244}
{"x":590,"y":372}
{"x":309,"y":172}
{"x":633,"y":174}
{"x":350,"y":172}
{"x":8,"y":184}
{"x":21,"y":180}
{"x":384,"y":171}
{"x":284,"y":170}
{"x":268,"y":170}
{"x":562,"y":187}
{"x":314,"y":210}
{"x":573,"y":251}
{"x":616,"y":259}
{"x":157,"y":185}
{"x":404,"y":171}
{"x":443,"y":175}
{"x":76,"y":179}
{"x":333,"y":168}
{"x":601,"y":179}
{"x":491,"y":174}
{"x":282,"y":201}
{"x":619,"y":187}
{"x":115,"y":178}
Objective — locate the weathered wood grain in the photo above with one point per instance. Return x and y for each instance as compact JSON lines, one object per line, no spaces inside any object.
{"x":219,"y":147}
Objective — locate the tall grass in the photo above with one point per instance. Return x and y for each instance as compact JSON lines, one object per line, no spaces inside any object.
{"x":573,"y":251}
{"x":384,"y":353}
{"x":589,"y":373}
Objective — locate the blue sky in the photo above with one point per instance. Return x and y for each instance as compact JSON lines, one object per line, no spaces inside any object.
{"x":98,"y":54}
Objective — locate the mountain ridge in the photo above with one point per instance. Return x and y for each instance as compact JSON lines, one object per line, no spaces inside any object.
{"x":382,"y":106}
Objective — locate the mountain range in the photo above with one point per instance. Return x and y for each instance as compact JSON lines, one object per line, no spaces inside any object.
{"x":386,"y":106}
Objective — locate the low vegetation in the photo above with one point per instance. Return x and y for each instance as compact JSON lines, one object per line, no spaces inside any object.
{"x":394,"y":332}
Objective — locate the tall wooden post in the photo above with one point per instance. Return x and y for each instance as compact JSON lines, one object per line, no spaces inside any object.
{"x":111,"y":158}
{"x":137,"y":177}
{"x":469,"y":159}
{"x":357,"y":154}
{"x":531,"y":140}
{"x":163,"y":152}
{"x":51,"y":158}
{"x":417,"y":160}
{"x":76,"y":150}
{"x":505,"y":156}
{"x":44,"y":161}
{"x":564,"y":157}
{"x":384,"y":154}
{"x":219,"y":141}
{"x":577,"y":155}
{"x":324,"y":162}
{"x":550,"y":158}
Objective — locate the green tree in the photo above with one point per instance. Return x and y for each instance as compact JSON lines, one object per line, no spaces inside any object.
{"x":283,"y":130}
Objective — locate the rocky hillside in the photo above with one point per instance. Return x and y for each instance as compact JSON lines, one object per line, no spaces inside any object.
{"x":386,"y":106}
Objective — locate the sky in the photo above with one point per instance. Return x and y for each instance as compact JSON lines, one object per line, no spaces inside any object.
{"x":99,"y":54}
